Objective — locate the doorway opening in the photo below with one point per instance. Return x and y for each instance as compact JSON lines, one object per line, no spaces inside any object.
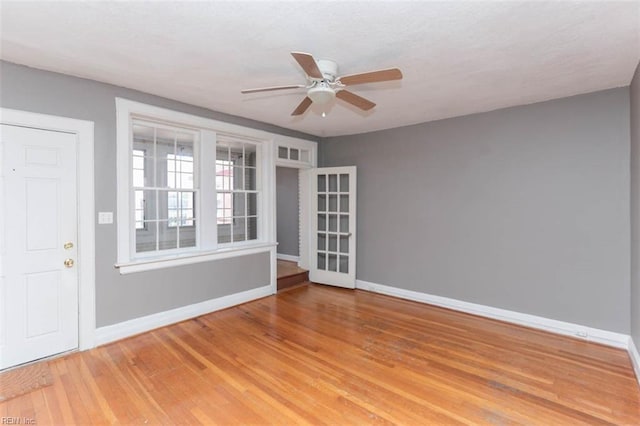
{"x":288,"y":228}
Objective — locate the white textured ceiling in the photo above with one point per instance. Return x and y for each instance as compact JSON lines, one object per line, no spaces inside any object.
{"x":457,"y":57}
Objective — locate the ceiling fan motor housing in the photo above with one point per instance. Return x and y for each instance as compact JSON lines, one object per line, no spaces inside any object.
{"x":329,"y":69}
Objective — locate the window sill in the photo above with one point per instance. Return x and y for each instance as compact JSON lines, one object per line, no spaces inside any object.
{"x":141,"y":265}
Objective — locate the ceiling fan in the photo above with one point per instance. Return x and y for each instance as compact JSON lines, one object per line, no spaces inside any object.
{"x":323,"y":84}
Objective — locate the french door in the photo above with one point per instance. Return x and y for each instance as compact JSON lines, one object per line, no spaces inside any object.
{"x":333,"y":239}
{"x":39,"y":283}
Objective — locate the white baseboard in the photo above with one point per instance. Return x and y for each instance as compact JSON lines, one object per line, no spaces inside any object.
{"x":604,"y":337}
{"x":288,"y":257}
{"x":135,"y":326}
{"x":635,"y":359}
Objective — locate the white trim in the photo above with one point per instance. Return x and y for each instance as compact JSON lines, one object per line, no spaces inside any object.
{"x":604,"y":337}
{"x":135,"y":326}
{"x":86,"y":208}
{"x":305,"y":207}
{"x":635,"y":359}
{"x":273,"y":276}
{"x":149,"y":264}
{"x":304,"y":191}
{"x":288,"y":257}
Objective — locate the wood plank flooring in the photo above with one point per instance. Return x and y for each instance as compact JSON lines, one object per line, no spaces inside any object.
{"x":323,"y":355}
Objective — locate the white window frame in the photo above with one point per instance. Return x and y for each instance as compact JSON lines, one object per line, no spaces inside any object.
{"x":207,"y":248}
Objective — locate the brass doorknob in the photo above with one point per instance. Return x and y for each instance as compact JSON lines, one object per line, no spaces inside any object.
{"x":68,"y":263}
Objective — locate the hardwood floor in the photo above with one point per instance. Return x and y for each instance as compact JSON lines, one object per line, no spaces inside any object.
{"x":318,"y":354}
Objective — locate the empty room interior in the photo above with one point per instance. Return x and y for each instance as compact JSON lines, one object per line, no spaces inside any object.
{"x":320,"y":212}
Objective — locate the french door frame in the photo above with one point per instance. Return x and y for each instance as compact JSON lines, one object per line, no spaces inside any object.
{"x":83,"y":130}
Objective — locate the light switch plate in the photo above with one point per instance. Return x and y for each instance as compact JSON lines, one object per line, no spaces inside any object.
{"x":105,"y":218}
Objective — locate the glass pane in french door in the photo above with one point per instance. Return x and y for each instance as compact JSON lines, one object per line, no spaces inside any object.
{"x":333,"y":222}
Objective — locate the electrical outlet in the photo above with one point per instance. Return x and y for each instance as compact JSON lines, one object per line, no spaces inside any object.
{"x":582,"y":333}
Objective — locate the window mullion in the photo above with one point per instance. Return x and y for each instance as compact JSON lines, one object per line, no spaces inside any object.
{"x":206,"y":164}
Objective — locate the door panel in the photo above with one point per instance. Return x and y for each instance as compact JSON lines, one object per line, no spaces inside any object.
{"x":40,"y":303}
{"x":333,"y":260}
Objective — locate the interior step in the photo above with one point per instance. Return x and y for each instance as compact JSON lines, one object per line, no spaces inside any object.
{"x":292,"y":280}
{"x":289,"y":274}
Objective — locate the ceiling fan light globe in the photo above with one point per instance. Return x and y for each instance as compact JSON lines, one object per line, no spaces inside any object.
{"x":321,"y":95}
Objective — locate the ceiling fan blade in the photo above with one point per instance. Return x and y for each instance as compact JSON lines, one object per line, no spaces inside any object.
{"x":308,"y":64}
{"x":268,"y":89}
{"x":372,"y":77}
{"x":304,"y":105}
{"x":355,"y":100}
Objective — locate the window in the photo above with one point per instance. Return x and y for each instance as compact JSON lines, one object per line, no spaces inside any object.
{"x":224,"y":177}
{"x":190,"y":189}
{"x":237,"y":194}
{"x":163,"y":187}
{"x":180,"y":176}
{"x":138,"y":182}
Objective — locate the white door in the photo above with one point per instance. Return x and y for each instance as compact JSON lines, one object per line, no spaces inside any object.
{"x":333,"y":237}
{"x":39,"y":279}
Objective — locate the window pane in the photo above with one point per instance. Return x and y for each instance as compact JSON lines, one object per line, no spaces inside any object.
{"x":322,"y":242}
{"x":333,"y":263}
{"x":138,"y":159}
{"x":238,"y":181}
{"x":322,"y":202}
{"x":252,"y":228}
{"x":250,"y":155}
{"x":333,"y":183}
{"x":187,"y":237}
{"x":344,"y":264}
{"x":293,"y":154}
{"x":250,"y":179}
{"x":322,"y":222}
{"x":252,"y":203}
{"x":238,"y":204}
{"x":344,"y":183}
{"x":143,"y":155}
{"x":322,"y":261}
{"x":283,"y":152}
{"x":224,"y":233}
{"x":333,"y":203}
{"x":322,"y":183}
{"x":333,"y":243}
{"x":222,"y":153}
{"x":146,"y":237}
{"x":166,"y":199}
{"x":333,"y":223}
{"x":224,"y":175}
{"x":149,"y":202}
{"x":344,"y":244}
{"x":239,"y":231}
{"x":344,"y":223}
{"x":236,"y":150}
{"x":167,"y":236}
{"x":344,"y":203}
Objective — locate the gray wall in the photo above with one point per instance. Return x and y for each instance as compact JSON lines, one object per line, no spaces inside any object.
{"x":287,"y":205}
{"x":118,"y":297}
{"x":635,"y":207}
{"x":525,"y":208}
